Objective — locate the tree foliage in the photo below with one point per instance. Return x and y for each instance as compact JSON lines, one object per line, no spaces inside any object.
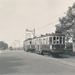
{"x":3,"y":45}
{"x":67,"y":23}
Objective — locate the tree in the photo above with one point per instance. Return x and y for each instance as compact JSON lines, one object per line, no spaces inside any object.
{"x":3,"y":45}
{"x":67,"y":23}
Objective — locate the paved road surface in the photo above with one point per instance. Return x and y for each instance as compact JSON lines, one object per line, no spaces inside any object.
{"x":22,"y":63}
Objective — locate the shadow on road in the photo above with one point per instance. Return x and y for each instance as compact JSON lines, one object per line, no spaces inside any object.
{"x":61,"y":56}
{"x":56,"y":56}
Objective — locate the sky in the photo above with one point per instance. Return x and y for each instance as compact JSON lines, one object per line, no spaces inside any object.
{"x":18,"y":15}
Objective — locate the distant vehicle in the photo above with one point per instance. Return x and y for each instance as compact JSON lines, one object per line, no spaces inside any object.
{"x":50,"y":43}
{"x":11,"y":48}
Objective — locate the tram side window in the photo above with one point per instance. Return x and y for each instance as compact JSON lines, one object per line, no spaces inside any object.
{"x":74,"y":44}
{"x":46,"y":40}
{"x":57,"y":42}
{"x":60,"y":40}
{"x":40,"y":41}
{"x":63,"y":40}
{"x":36,"y":41}
{"x":54,"y":40}
{"x":50,"y":40}
{"x":27,"y":42}
{"x":30,"y":42}
{"x":33,"y":42}
{"x":43,"y":41}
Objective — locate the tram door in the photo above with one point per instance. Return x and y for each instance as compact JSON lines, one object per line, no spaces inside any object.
{"x":37,"y":46}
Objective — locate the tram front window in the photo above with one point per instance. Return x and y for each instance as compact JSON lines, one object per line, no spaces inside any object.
{"x":57,"y":40}
{"x":54,"y":38}
{"x":60,"y":40}
{"x":63,"y":40}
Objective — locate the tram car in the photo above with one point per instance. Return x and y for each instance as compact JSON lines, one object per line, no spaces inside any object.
{"x":50,"y":43}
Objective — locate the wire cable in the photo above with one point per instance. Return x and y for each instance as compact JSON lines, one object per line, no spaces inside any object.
{"x":47,"y":25}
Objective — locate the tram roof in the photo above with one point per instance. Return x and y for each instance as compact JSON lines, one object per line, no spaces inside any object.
{"x":28,"y":39}
{"x":53,"y":34}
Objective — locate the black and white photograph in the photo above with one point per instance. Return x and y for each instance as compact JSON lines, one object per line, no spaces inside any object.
{"x":37,"y":37}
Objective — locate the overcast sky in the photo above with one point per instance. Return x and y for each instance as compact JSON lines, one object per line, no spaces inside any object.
{"x":18,"y":15}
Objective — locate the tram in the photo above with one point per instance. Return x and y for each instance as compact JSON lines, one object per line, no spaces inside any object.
{"x":50,"y":43}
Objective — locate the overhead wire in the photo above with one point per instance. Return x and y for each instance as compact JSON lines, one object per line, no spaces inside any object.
{"x":48,"y":24}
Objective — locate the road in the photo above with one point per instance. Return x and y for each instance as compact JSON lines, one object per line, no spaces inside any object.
{"x":18,"y":62}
